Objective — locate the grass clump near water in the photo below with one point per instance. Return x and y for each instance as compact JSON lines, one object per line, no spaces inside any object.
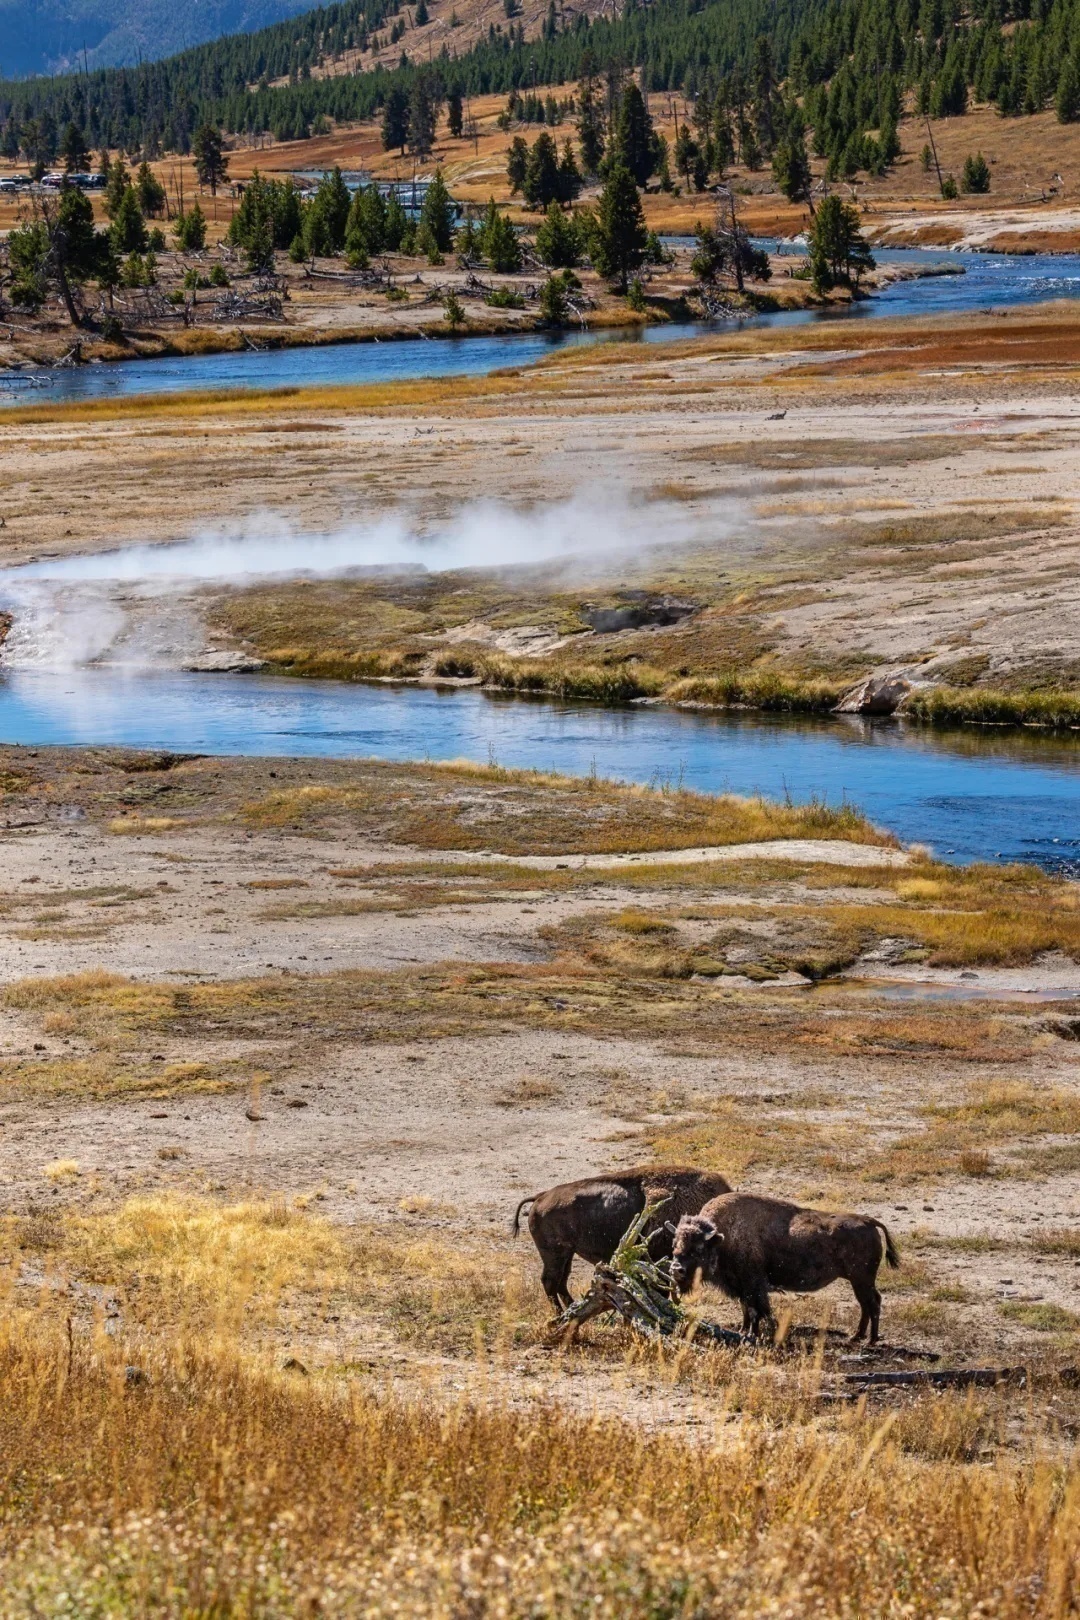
{"x":961,"y":705}
{"x":768,"y":690}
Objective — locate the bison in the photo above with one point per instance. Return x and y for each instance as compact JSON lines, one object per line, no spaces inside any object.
{"x":746,"y":1245}
{"x":589,"y":1217}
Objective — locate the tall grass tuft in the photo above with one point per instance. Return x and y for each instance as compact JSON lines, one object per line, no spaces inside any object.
{"x":759,"y":689}
{"x":204,"y":1487}
{"x":962,"y":705}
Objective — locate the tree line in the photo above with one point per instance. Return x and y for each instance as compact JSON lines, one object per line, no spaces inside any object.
{"x":848,"y":63}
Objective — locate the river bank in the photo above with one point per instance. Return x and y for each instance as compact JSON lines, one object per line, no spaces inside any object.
{"x":403,"y":301}
{"x":815,"y":505}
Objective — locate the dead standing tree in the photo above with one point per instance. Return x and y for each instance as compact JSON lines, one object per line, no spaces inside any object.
{"x":723,"y":250}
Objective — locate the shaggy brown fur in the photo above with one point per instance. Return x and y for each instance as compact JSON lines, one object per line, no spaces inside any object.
{"x":746,"y":1245}
{"x":589,"y":1217}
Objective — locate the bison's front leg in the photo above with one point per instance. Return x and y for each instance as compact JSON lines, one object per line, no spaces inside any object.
{"x":758,"y":1319}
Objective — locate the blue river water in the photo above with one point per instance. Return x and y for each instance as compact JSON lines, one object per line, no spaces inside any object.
{"x":989,"y":280}
{"x":971,"y":795}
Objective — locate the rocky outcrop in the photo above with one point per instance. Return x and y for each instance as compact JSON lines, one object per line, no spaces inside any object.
{"x":224,"y":662}
{"x":636,"y":613}
{"x":878,"y":694}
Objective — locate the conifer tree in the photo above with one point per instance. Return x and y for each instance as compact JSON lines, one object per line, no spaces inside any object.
{"x":128,"y":229}
{"x":208,"y":150}
{"x":541,"y":183}
{"x":1067,"y":98}
{"x":634,"y":140}
{"x":499,"y":242}
{"x":619,"y":235}
{"x":517,"y":163}
{"x":791,"y":168}
{"x":590,"y":119}
{"x":437,"y":214}
{"x":454,"y":114}
{"x":74,"y":148}
{"x":395,"y":119}
{"x":558,"y":242}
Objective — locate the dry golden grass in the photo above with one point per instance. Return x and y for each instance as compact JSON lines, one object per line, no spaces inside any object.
{"x":225,"y":1490}
{"x":541,"y":813}
{"x":642,"y":990}
{"x":959,"y":1139}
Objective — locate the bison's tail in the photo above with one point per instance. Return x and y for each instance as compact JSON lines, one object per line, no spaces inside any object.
{"x":892,"y":1255}
{"x":517,"y":1213}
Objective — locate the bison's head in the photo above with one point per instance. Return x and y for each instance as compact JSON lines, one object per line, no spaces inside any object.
{"x":695,"y":1235}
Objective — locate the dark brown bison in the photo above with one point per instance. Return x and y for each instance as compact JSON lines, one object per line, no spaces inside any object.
{"x":589,"y":1217}
{"x":746,"y":1245}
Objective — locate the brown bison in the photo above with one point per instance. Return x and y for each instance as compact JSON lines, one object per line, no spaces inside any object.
{"x":746,"y":1245}
{"x":589,"y":1217}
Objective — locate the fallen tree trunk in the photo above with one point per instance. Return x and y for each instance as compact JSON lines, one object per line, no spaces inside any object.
{"x":942,"y":1378}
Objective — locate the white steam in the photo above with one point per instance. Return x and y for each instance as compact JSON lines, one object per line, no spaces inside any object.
{"x":132,"y":605}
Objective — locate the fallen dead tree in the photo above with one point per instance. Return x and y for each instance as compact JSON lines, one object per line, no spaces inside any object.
{"x":234,"y":306}
{"x":638,"y":1289}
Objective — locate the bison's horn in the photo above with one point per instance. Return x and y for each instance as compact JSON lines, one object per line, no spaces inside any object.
{"x":708,"y":1232}
{"x":671,"y":1227}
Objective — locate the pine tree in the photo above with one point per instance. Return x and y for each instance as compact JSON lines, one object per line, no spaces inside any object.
{"x":553,"y":305}
{"x":838,"y":251}
{"x":365,"y":231}
{"x":454,"y":117}
{"x":1067,"y":98}
{"x":425,"y":100}
{"x":976,"y":176}
{"x":190,"y":230}
{"x":397,"y":223}
{"x":128,"y":229}
{"x":569,"y":174}
{"x":499,"y":242}
{"x":558,"y":242}
{"x":75,"y":150}
{"x":211,"y":164}
{"x":791,"y":168}
{"x":395,"y":119}
{"x":150,"y":192}
{"x":541,"y":183}
{"x":334,"y":201}
{"x":437,"y":214}
{"x":590,"y":119}
{"x":619,"y":236}
{"x":517,"y":162}
{"x":115,"y":186}
{"x":633,"y":145}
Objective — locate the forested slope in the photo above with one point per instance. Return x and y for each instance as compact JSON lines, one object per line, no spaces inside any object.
{"x":45,"y":36}
{"x":852,"y":62}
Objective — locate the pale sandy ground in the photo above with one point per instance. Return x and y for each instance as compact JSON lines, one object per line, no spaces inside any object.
{"x":383,"y":1123}
{"x":688,"y":426}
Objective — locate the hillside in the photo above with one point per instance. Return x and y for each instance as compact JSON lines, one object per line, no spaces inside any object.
{"x":50,"y":36}
{"x":754,"y":75}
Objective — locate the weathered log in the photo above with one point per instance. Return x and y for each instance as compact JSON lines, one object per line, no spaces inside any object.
{"x":943,"y":1378}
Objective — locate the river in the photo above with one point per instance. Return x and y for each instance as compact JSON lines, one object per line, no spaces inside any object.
{"x":971,"y":795}
{"x":990,"y":280}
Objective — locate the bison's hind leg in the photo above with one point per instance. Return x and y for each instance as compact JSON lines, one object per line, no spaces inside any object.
{"x":556,"y":1277}
{"x":870,"y":1307}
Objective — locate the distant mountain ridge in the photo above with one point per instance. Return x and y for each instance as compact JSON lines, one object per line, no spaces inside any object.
{"x":50,"y":36}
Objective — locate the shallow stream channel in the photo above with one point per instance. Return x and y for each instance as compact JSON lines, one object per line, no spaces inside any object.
{"x":972,"y":794}
{"x":988,"y":281}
